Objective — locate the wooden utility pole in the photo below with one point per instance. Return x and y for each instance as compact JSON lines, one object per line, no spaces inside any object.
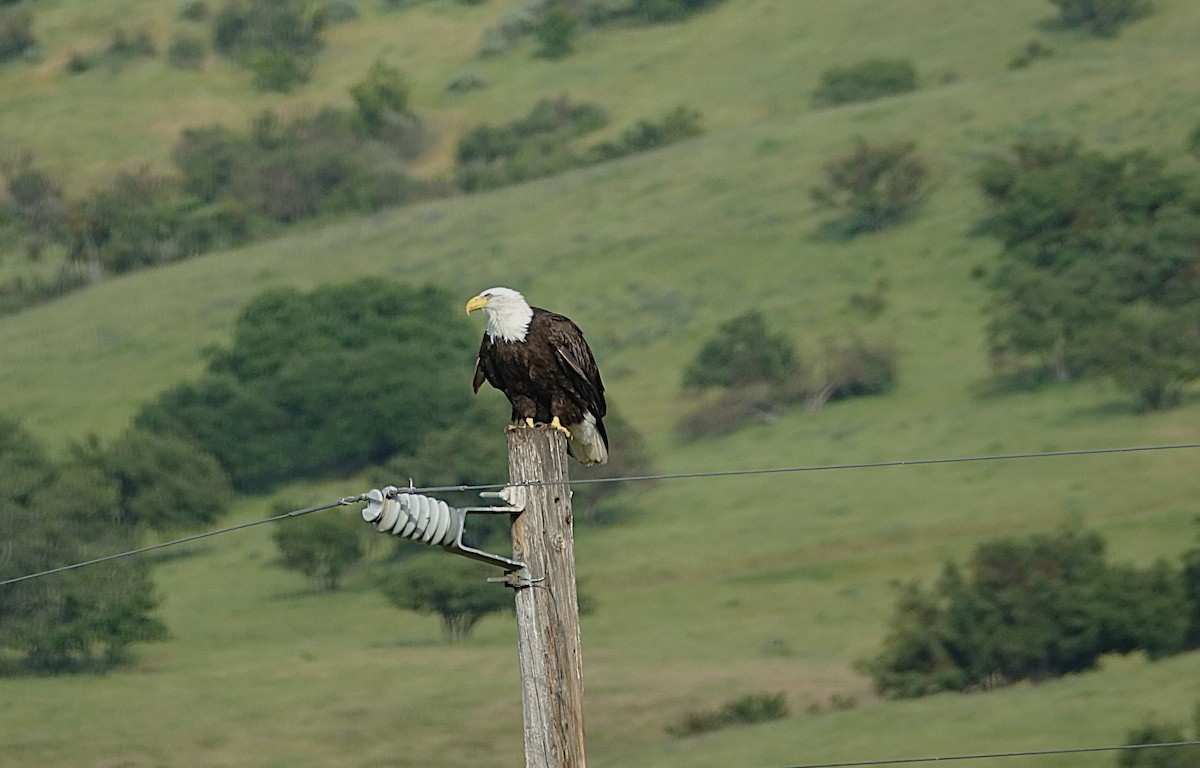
{"x":546,"y":602}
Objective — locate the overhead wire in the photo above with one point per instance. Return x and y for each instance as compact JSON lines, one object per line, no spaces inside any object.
{"x":629,"y":478}
{"x":999,"y":755}
{"x":184,"y":540}
{"x":821,"y":467}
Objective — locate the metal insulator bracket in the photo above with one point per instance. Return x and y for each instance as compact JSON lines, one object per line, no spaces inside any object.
{"x":431,"y":521}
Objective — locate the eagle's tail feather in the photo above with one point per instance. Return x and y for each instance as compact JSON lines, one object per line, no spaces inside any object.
{"x":588,"y":443}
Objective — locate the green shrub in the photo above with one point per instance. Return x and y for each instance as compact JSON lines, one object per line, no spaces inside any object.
{"x":165,"y":483}
{"x":867,"y":80}
{"x":1027,"y":609}
{"x":186,"y":52}
{"x":453,"y":587}
{"x":126,"y":46}
{"x":752,"y":708}
{"x":743,"y":352}
{"x":1101,"y":17}
{"x":659,"y":11}
{"x":55,"y":515}
{"x":277,"y":39}
{"x":193,"y":10}
{"x":381,"y":98}
{"x":278,"y":71}
{"x":851,"y":368}
{"x":322,"y":548}
{"x":1159,"y":757}
{"x":873,"y":187}
{"x":555,"y":33}
{"x":1095,"y":275}
{"x":16,"y":33}
{"x":327,"y":382}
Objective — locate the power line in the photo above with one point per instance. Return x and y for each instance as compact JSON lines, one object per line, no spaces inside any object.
{"x":635,"y":478}
{"x":830,"y":467}
{"x":998,"y":755}
{"x":184,"y":540}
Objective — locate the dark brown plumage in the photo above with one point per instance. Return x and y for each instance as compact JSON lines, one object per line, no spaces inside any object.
{"x":542,"y":363}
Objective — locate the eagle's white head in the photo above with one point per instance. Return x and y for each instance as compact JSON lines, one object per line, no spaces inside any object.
{"x":508,"y":314}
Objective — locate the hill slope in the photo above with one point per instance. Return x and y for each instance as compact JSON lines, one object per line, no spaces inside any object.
{"x":715,"y":587}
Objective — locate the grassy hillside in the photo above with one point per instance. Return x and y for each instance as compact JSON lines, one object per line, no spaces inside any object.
{"x":714,"y":588}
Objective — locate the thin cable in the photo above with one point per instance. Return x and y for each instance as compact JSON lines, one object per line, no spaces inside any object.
{"x":634,"y":478}
{"x":997,"y":755}
{"x":819,"y":467}
{"x":184,"y":540}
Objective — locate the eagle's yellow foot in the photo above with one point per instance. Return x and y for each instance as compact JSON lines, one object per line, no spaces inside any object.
{"x":513,"y":427}
{"x":556,"y":424}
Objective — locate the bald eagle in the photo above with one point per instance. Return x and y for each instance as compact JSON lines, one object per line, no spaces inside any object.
{"x":543,"y":365}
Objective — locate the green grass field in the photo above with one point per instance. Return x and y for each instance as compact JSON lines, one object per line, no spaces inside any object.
{"x":713,"y":588}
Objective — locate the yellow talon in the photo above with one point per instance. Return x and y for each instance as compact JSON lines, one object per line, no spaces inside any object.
{"x":556,"y":424}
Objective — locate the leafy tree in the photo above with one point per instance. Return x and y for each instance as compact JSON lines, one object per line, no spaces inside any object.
{"x":35,"y":199}
{"x":381,"y":97}
{"x":165,"y":483}
{"x":850,"y":368}
{"x":1101,"y":17}
{"x":874,"y":186}
{"x":743,"y":351}
{"x":52,"y":516}
{"x":1100,"y":255}
{"x":659,"y":11}
{"x":278,"y":39}
{"x":455,"y":588}
{"x":142,"y":219}
{"x":322,"y":548}
{"x":1162,"y":757}
{"x":329,"y":381}
{"x":555,"y":33}
{"x":1152,"y":351}
{"x":1191,"y":585}
{"x":644,"y":135}
{"x":292,"y":171}
{"x":1027,"y":610}
{"x":865,"y":81}
{"x":16,"y":32}
{"x":752,"y":708}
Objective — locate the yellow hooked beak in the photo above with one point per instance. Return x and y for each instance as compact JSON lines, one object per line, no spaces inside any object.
{"x":479,"y":302}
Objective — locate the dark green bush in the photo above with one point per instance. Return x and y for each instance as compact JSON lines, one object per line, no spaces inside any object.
{"x":165,"y":483}
{"x":678,"y":124}
{"x":454,"y":588}
{"x":752,"y":708}
{"x":326,"y":382}
{"x":743,"y":351}
{"x":126,"y":46}
{"x":867,"y":80}
{"x":872,"y":187}
{"x":186,"y":52}
{"x":381,"y":98}
{"x":1028,"y":609}
{"x":659,"y":11}
{"x":530,"y":147}
{"x":1159,"y":757}
{"x":322,"y":548}
{"x":55,"y":515}
{"x":555,"y":33}
{"x":1101,"y":17}
{"x":16,"y":33}
{"x":1096,"y":272}
{"x":288,"y":172}
{"x":193,"y":10}
{"x":278,"y":39}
